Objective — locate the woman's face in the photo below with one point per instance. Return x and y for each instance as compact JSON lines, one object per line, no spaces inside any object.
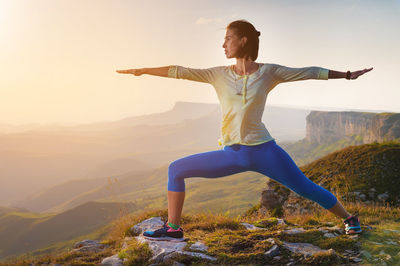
{"x":232,"y":43}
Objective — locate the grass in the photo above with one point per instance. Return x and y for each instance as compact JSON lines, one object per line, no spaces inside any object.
{"x":232,"y":244}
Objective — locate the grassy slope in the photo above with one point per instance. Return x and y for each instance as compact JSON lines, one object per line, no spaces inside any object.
{"x":231,"y":244}
{"x":235,"y":193}
{"x":360,"y":168}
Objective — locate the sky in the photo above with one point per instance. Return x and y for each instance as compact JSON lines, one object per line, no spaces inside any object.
{"x":58,"y":58}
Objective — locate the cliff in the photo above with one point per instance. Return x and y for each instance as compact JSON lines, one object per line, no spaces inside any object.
{"x":323,"y":127}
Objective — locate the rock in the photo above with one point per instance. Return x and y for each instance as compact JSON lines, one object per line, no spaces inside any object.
{"x":88,"y":246}
{"x":383,"y":196}
{"x":355,"y":259}
{"x":277,"y":257}
{"x":272,"y":252}
{"x":294,"y":231}
{"x":391,"y":242}
{"x":178,"y":264}
{"x":86,"y":242}
{"x":251,"y":227}
{"x":199,"y":246}
{"x":274,"y":196}
{"x":281,"y":221}
{"x":161,"y":248}
{"x":366,"y":254}
{"x":329,"y":235}
{"x":305,"y":248}
{"x":147,"y":225}
{"x":362,"y":197}
{"x":384,"y":255}
{"x":112,"y":261}
{"x":271,"y":240}
{"x":175,"y":254}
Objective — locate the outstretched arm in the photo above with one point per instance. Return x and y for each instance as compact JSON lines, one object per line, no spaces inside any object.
{"x":207,"y":75}
{"x":353,"y":75}
{"x":155,"y":71}
{"x":287,"y":74}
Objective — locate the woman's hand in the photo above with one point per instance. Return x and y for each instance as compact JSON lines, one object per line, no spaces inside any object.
{"x":356,"y":74}
{"x":136,"y":72}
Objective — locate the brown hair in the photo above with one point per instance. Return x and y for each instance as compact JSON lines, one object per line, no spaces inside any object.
{"x":243,"y":28}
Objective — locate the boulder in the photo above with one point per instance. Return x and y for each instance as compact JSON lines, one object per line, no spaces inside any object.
{"x":147,"y":225}
{"x":305,"y":248}
{"x":112,"y":261}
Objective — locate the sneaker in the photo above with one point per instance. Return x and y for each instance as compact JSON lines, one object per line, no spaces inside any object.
{"x":165,"y":233}
{"x":352,"y":225}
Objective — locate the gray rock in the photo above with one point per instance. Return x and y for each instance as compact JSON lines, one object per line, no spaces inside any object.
{"x":199,"y":246}
{"x":251,"y":227}
{"x":88,"y":246}
{"x":304,"y":248}
{"x":271,"y":240}
{"x":355,"y":259}
{"x":161,"y":248}
{"x":366,"y":254}
{"x":272,"y":252}
{"x":362,"y":197}
{"x":281,"y":221}
{"x":178,"y":264}
{"x":329,"y":235}
{"x":294,"y":231}
{"x":383,"y":196}
{"x":173,"y":255}
{"x":391,"y":242}
{"x":147,"y":225}
{"x":112,"y":261}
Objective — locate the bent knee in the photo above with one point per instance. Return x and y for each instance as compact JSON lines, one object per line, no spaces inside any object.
{"x":175,"y":178}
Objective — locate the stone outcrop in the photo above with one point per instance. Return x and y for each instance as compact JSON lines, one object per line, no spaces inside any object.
{"x":323,"y":127}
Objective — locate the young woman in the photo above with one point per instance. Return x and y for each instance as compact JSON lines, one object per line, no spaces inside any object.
{"x":242,"y":90}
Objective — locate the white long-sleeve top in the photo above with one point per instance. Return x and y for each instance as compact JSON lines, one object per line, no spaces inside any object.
{"x":243,"y":98}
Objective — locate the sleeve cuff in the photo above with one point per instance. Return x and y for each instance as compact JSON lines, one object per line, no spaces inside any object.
{"x":323,"y":73}
{"x":173,"y":71}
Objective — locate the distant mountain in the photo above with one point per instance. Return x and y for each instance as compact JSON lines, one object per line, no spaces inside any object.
{"x":33,"y":161}
{"x":324,"y":127}
{"x":331,"y":131}
{"x":24,"y":231}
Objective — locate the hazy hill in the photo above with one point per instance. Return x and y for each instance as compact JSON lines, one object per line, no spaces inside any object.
{"x":24,"y":231}
{"x":31,"y":161}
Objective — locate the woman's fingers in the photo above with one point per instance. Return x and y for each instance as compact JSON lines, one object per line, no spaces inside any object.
{"x":124,"y":71}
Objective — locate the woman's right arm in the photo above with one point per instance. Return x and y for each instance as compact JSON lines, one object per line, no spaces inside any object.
{"x":155,"y":71}
{"x":207,"y":75}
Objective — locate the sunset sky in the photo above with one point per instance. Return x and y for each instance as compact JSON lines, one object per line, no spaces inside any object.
{"x":58,"y":57}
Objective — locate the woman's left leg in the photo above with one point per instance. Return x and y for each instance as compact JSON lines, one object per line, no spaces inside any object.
{"x":271,"y":160}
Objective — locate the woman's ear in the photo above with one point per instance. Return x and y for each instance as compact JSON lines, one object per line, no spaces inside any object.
{"x":243,"y":40}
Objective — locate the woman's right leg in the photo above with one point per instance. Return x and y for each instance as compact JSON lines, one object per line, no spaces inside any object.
{"x":210,"y":164}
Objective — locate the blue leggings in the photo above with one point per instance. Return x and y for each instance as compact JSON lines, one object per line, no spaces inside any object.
{"x":267,"y":158}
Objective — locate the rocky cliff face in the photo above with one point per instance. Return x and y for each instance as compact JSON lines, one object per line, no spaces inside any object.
{"x":323,"y":127}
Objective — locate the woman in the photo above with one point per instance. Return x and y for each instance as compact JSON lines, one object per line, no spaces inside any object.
{"x":242,"y":90}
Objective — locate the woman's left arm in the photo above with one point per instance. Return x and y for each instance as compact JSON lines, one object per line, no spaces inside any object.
{"x":332,"y":74}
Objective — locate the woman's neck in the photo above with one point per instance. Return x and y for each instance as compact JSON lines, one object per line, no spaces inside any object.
{"x":244,"y":67}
